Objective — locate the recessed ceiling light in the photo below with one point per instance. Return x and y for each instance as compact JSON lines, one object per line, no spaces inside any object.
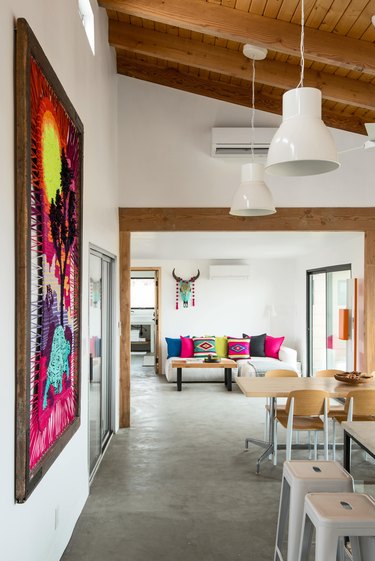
{"x":373,"y":20}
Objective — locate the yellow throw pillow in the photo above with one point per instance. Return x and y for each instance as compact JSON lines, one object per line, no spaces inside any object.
{"x":221,"y":347}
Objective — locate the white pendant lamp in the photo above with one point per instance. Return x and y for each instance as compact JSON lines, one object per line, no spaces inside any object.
{"x":252,"y":198}
{"x":302,"y":145}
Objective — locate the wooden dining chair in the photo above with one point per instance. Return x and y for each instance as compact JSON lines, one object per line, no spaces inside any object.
{"x":275,"y":374}
{"x":359,"y":406}
{"x":328,"y":373}
{"x":303,"y":412}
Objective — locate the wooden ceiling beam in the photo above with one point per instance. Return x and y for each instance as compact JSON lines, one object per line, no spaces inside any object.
{"x":210,"y":219}
{"x":173,"y":78}
{"x":233,"y":63}
{"x":239,"y":95}
{"x":228,"y":23}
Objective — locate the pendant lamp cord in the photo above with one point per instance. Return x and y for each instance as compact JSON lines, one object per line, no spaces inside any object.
{"x":252,"y":110}
{"x":302,"y":44}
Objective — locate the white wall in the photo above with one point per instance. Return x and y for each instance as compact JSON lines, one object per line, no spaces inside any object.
{"x":28,"y":531}
{"x":229,"y":306}
{"x":165,"y":139}
{"x":336,"y":253}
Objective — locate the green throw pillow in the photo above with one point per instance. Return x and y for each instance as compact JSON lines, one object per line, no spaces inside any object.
{"x":221,"y":346}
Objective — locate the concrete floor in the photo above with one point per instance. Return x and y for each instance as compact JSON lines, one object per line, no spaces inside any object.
{"x":178,"y":485}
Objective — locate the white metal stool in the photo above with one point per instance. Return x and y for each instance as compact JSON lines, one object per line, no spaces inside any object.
{"x":336,"y":516}
{"x":299,"y":478}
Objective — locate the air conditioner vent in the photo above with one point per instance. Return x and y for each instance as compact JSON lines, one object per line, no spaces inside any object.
{"x":229,"y":142}
{"x":238,"y":150}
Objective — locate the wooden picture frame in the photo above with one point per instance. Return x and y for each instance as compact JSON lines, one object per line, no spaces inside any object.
{"x":48,"y":169}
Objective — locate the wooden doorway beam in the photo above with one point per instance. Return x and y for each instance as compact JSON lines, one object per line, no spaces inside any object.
{"x":328,"y":219}
{"x":324,"y":219}
{"x":369,"y":301}
{"x":125,"y":329}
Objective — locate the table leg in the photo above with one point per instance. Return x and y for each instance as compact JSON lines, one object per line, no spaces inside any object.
{"x":271,"y":434}
{"x":267,"y":445}
{"x":347,"y":450}
{"x":228,"y":378}
{"x":179,"y":379}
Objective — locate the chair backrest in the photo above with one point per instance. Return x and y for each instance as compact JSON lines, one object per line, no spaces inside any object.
{"x":281,"y":374}
{"x":328,"y":373}
{"x":307,"y":402}
{"x":363,"y":402}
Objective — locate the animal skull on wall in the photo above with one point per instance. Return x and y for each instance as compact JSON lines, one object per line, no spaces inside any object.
{"x":185,"y":288}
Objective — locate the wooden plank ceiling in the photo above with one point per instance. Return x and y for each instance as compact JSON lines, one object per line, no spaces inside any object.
{"x":196,"y":46}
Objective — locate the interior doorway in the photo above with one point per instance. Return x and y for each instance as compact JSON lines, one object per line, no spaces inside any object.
{"x":298,"y":219}
{"x":101,"y":331}
{"x":145,"y":317}
{"x":328,"y":291}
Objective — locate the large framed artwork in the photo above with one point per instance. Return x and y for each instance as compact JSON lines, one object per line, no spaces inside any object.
{"x":49,"y":158}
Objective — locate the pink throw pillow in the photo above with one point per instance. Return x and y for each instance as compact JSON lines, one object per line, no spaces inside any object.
{"x":187,"y":347}
{"x":272,"y":346}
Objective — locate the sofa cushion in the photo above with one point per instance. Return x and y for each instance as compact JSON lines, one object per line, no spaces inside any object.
{"x":257,"y":343}
{"x":221,"y":346}
{"x":272,"y":346}
{"x":204,"y":346}
{"x":187,"y":347}
{"x":238,"y":348}
{"x":173,"y":347}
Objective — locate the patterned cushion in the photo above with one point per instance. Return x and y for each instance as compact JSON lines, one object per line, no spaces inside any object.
{"x":238,"y":348}
{"x":204,"y":346}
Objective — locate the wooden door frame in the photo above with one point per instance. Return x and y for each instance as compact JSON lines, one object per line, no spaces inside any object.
{"x":296,"y":219}
{"x":157,"y":270}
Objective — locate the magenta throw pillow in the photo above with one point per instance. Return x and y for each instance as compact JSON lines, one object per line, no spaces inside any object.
{"x":272,"y":346}
{"x":187,"y":347}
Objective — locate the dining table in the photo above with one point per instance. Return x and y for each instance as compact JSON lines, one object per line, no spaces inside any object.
{"x":363,"y":434}
{"x":274,"y":388}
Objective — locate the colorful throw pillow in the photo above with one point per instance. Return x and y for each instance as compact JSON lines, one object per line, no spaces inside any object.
{"x":187,"y":347}
{"x":204,"y":346}
{"x":221,"y":346}
{"x":257,"y":343}
{"x":173,"y":347}
{"x":238,"y":348}
{"x":272,"y":346}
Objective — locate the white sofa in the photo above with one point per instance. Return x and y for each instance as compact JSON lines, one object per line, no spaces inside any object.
{"x":256,"y":366}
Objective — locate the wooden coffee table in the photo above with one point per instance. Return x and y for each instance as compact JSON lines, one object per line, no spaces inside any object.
{"x":225,"y":363}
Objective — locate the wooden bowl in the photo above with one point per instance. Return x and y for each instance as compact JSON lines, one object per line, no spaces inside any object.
{"x":353,"y":378}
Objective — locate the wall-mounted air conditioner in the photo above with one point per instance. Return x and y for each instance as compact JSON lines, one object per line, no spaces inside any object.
{"x":229,"y":142}
{"x":229,"y":271}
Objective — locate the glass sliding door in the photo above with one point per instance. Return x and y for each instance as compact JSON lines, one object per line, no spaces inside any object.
{"x":327,"y":292}
{"x":100,"y":334}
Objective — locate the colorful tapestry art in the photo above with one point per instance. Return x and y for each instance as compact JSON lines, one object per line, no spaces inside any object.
{"x":52,"y":205}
